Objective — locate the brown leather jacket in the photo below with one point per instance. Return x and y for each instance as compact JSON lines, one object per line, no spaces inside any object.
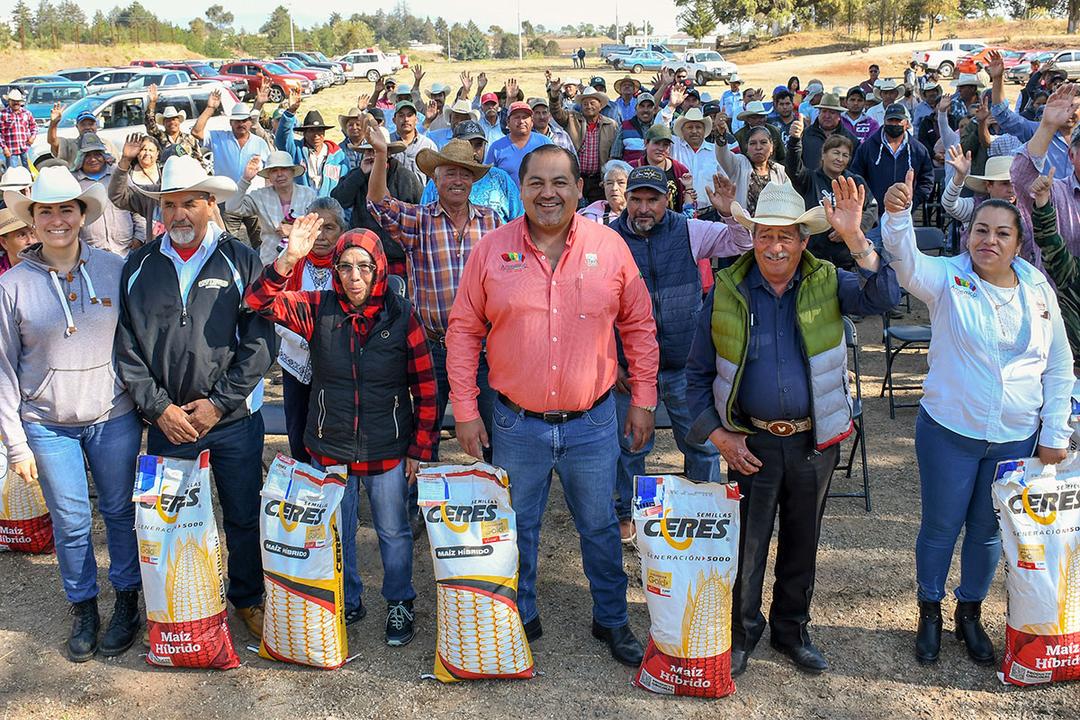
{"x":574,"y":124}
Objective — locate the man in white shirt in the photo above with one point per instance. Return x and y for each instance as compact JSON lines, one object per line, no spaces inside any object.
{"x":692,"y":149}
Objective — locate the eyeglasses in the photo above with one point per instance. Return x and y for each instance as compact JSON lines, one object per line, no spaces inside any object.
{"x":365,"y":269}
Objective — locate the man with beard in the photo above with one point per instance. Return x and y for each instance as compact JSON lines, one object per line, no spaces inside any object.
{"x":553,"y":361}
{"x":593,"y":135}
{"x":629,"y":144}
{"x":496,"y":189}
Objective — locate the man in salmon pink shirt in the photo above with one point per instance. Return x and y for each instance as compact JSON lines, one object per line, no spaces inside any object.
{"x":545,"y":291}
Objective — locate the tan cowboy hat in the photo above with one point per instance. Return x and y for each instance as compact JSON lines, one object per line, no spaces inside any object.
{"x":830,"y":101}
{"x":183,"y":173}
{"x":997,"y":168}
{"x":392,"y":147}
{"x":354,"y":113}
{"x":15,"y":96}
{"x":55,"y":185}
{"x":280,"y":159}
{"x":460,"y":107}
{"x":170,"y":112}
{"x":969,"y":79}
{"x":9,"y":223}
{"x":455,"y":152}
{"x":591,"y":92}
{"x":693,"y":115}
{"x":780,"y":205}
{"x":753,"y":108}
{"x":632,"y":81}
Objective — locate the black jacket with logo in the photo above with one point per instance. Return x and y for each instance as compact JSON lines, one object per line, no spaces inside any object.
{"x":213,"y":346}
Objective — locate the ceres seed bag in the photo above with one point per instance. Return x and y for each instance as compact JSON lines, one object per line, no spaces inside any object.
{"x":300,"y":530}
{"x":688,"y":539}
{"x":472,"y":531}
{"x":25,"y":524}
{"x":1038,"y":508}
{"x":180,"y":561}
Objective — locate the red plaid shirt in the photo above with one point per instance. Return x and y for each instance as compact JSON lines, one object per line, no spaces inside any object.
{"x":17,"y":130}
{"x":589,"y":154}
{"x":296,"y":311}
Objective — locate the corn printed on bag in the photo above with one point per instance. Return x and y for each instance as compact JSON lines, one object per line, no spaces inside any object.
{"x":304,"y":619}
{"x":472,"y":531}
{"x":25,"y":524}
{"x":688,"y":539}
{"x":180,"y":560}
{"x":1038,"y":508}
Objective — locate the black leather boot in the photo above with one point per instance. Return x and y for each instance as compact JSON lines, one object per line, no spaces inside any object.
{"x":969,"y":630}
{"x":83,"y":641}
{"x":928,"y":636}
{"x":624,"y":646}
{"x":124,"y":625}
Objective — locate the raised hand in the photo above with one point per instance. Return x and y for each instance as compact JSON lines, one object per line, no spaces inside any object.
{"x":945,"y":103}
{"x":214,"y":101}
{"x":1040,"y":189}
{"x":982,"y":110}
{"x":431,"y":112}
{"x":252,"y":168}
{"x":720,"y":125}
{"x":995,"y":65}
{"x":374,"y":137}
{"x":302,"y":237}
{"x":362,"y":101}
{"x":721,"y":194}
{"x":758,"y":94}
{"x":796,"y":129}
{"x":418,"y":75}
{"x":678,"y":94}
{"x":55,"y":113}
{"x":1060,"y":109}
{"x":152,"y":96}
{"x":466,"y":81}
{"x":687,"y":181}
{"x":511,"y":90}
{"x":481,"y":81}
{"x":295,"y":98}
{"x":899,"y":196}
{"x":262,"y":95}
{"x":553,"y":85}
{"x":961,"y":162}
{"x":380,"y":85}
{"x":132,"y":146}
{"x":845,"y":211}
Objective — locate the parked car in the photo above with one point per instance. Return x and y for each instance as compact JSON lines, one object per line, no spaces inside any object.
{"x":82,"y":74}
{"x":704,"y":65}
{"x":370,"y":64}
{"x":608,"y":49}
{"x":945,"y":59}
{"x":160,"y":77}
{"x":311,"y":61}
{"x":40,"y":98}
{"x":37,"y":79}
{"x":1067,"y":60}
{"x":113,"y":79}
{"x":1020,"y":72}
{"x":149,"y":63}
{"x":200,"y":72}
{"x":639,"y":61}
{"x":119,"y":112}
{"x":321,"y":57}
{"x":976,"y":61}
{"x":319,"y":77}
{"x":281,"y":80}
{"x":613,"y":58}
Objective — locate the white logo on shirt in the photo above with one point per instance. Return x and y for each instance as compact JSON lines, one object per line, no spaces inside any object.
{"x":213,"y":283}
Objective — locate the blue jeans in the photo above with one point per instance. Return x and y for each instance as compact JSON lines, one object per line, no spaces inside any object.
{"x":700,"y":462}
{"x":387,"y":494}
{"x":484,"y":401}
{"x":23,"y":160}
{"x":236,"y":461}
{"x":956,"y":473}
{"x":584,"y":451}
{"x":111,"y":448}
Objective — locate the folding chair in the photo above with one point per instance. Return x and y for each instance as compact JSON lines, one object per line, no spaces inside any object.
{"x":897,"y":339}
{"x":932,"y":212}
{"x":930,"y":241}
{"x":858,"y":443}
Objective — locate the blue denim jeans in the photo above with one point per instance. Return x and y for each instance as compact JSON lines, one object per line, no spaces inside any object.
{"x":485,"y":401}
{"x":236,"y":461}
{"x":700,"y":462}
{"x":956,"y":473}
{"x":387,"y":494}
{"x":584,"y":451}
{"x":111,"y":448}
{"x":23,"y":160}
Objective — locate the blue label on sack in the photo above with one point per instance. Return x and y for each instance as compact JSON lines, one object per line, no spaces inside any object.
{"x":146,"y":475}
{"x":432,"y":490}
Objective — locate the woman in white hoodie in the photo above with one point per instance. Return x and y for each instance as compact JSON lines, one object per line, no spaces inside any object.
{"x":61,"y":404}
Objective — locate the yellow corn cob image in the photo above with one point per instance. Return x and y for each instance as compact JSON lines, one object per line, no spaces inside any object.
{"x":21,"y":500}
{"x":300,"y":629}
{"x":192,"y":583}
{"x":1069,"y":591}
{"x":706,"y":623}
{"x":498,"y":645}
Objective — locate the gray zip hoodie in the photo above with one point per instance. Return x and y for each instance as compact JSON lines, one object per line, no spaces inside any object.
{"x":56,"y":345}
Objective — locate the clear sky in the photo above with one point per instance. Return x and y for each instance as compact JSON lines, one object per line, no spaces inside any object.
{"x":551,"y":13}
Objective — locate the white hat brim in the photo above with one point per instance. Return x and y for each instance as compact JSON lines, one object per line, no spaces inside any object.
{"x":813,"y":219}
{"x":683,"y":120}
{"x":222,"y":188}
{"x":21,"y":206}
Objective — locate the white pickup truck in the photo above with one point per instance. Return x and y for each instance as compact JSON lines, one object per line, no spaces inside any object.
{"x":945,"y":59}
{"x":704,"y":65}
{"x":371,"y":63}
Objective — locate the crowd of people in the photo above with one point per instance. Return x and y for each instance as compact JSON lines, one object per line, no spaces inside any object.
{"x":479,"y":248}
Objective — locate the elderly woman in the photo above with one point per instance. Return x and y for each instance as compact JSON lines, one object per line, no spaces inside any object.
{"x":754,"y":170}
{"x":277,"y":205}
{"x":605,"y":211}
{"x":147,"y":173}
{"x":116,"y":230}
{"x":998,"y":388}
{"x":373,"y":397}
{"x":14,"y":236}
{"x":63,"y":408}
{"x":813,"y":185}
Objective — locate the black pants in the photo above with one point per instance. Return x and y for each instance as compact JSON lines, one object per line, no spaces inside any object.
{"x":795,"y":480}
{"x":296,"y":398}
{"x":592,"y":187}
{"x":236,"y":461}
{"x":248,"y":223}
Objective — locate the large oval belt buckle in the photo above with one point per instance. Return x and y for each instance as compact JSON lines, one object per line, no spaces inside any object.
{"x":781,"y":428}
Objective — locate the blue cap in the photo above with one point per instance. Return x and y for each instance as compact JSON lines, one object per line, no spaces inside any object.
{"x":85,"y":115}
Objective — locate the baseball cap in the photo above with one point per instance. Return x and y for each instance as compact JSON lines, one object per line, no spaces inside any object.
{"x":535,"y":102}
{"x":646,"y":97}
{"x":489,"y":97}
{"x":693,"y":92}
{"x":378,"y":114}
{"x":403,"y":104}
{"x":896,"y":111}
{"x":85,"y":115}
{"x":857,"y":90}
{"x":519,"y":106}
{"x":710,"y":108}
{"x":658,"y":132}
{"x":598,"y":82}
{"x":469,"y":130}
{"x":649,"y":177}
{"x":814,"y":88}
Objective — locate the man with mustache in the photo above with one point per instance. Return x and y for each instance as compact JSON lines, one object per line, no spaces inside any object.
{"x":767,"y":384}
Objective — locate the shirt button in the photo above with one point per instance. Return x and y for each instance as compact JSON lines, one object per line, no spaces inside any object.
{"x":552,"y":392}
{"x":786,"y":389}
{"x":73,"y":297}
{"x":554,"y":283}
{"x":554,"y":339}
{"x":543,"y":257}
{"x":554,"y":367}
{"x":555,"y":310}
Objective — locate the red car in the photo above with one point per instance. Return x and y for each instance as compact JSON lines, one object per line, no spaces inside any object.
{"x":255,"y":73}
{"x":149,"y":63}
{"x":977,"y":61}
{"x":201,"y":71}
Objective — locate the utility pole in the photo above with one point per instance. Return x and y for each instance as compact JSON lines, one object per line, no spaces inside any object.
{"x":292,"y":31}
{"x":617,"y":39}
{"x":520,"y":50}
{"x":447,"y":42}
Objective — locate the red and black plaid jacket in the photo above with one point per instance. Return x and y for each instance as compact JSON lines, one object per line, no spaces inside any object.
{"x":296,"y":311}
{"x":17,"y":130}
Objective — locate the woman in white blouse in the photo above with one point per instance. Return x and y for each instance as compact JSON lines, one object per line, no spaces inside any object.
{"x":998,"y":388}
{"x":277,"y":204}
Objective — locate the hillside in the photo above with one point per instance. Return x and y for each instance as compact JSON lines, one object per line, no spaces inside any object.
{"x":16,"y":62}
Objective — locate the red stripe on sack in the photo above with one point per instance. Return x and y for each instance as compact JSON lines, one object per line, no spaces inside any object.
{"x":1032,"y":659}
{"x":203,"y":643}
{"x":693,"y":677}
{"x":34,"y":535}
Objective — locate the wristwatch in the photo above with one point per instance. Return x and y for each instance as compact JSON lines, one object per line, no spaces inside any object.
{"x":864,"y":253}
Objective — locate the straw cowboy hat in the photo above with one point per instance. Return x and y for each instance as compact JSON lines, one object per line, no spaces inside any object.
{"x":830,"y":101}
{"x":591,"y":92}
{"x":170,"y":112}
{"x":354,"y":113}
{"x":280,"y":159}
{"x":183,"y":173}
{"x":15,"y":96}
{"x":56,"y":185}
{"x":16,"y":178}
{"x":627,"y":79}
{"x":313,"y":121}
{"x":392,"y":147}
{"x":997,"y":168}
{"x":753,"y":109}
{"x":456,"y":152}
{"x":969,"y":79}
{"x":693,"y":115}
{"x":780,"y":205}
{"x":9,"y":223}
{"x":460,"y":107}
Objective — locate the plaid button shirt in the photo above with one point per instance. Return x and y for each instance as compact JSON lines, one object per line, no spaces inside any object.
{"x":17,"y":130}
{"x":589,"y":155}
{"x":435,"y":251}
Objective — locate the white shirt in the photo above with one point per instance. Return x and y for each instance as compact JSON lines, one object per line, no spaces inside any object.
{"x":702,"y":164}
{"x":972,"y":387}
{"x":294,"y":357}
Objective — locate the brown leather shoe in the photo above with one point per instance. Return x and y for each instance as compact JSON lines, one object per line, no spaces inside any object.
{"x":627,"y":531}
{"x":253,"y":619}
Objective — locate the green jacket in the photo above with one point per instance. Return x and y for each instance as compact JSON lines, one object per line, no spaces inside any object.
{"x":1063,"y":268}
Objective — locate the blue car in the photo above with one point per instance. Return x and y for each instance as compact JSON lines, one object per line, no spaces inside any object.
{"x":639,"y":61}
{"x":41,"y":97}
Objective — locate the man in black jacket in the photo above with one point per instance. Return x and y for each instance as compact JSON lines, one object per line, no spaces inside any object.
{"x":193,"y":357}
{"x":827,"y":124}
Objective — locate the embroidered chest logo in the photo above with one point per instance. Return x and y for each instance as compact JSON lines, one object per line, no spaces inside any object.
{"x":513,"y":261}
{"x":213,"y":283}
{"x":591,"y":260}
{"x":963,"y":286}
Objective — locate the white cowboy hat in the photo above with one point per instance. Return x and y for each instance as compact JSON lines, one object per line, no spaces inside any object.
{"x":438,"y":89}
{"x":241,"y":111}
{"x":170,"y":112}
{"x":693,"y":115}
{"x":886,"y":84}
{"x":56,"y":184}
{"x":16,"y":178}
{"x":183,"y":173}
{"x":280,"y":159}
{"x":15,"y":95}
{"x":460,"y":107}
{"x":753,"y":108}
{"x":969,"y":79}
{"x":997,"y":168}
{"x":591,"y":92}
{"x":780,"y":205}
{"x":734,"y":78}
{"x":392,"y":147}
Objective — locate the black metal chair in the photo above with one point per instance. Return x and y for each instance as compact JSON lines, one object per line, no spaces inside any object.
{"x":897,"y":339}
{"x":932,"y":211}
{"x":858,"y":435}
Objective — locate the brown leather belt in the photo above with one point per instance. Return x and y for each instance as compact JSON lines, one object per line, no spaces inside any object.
{"x":435,"y":337}
{"x":782,"y":428}
{"x":553,"y":417}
